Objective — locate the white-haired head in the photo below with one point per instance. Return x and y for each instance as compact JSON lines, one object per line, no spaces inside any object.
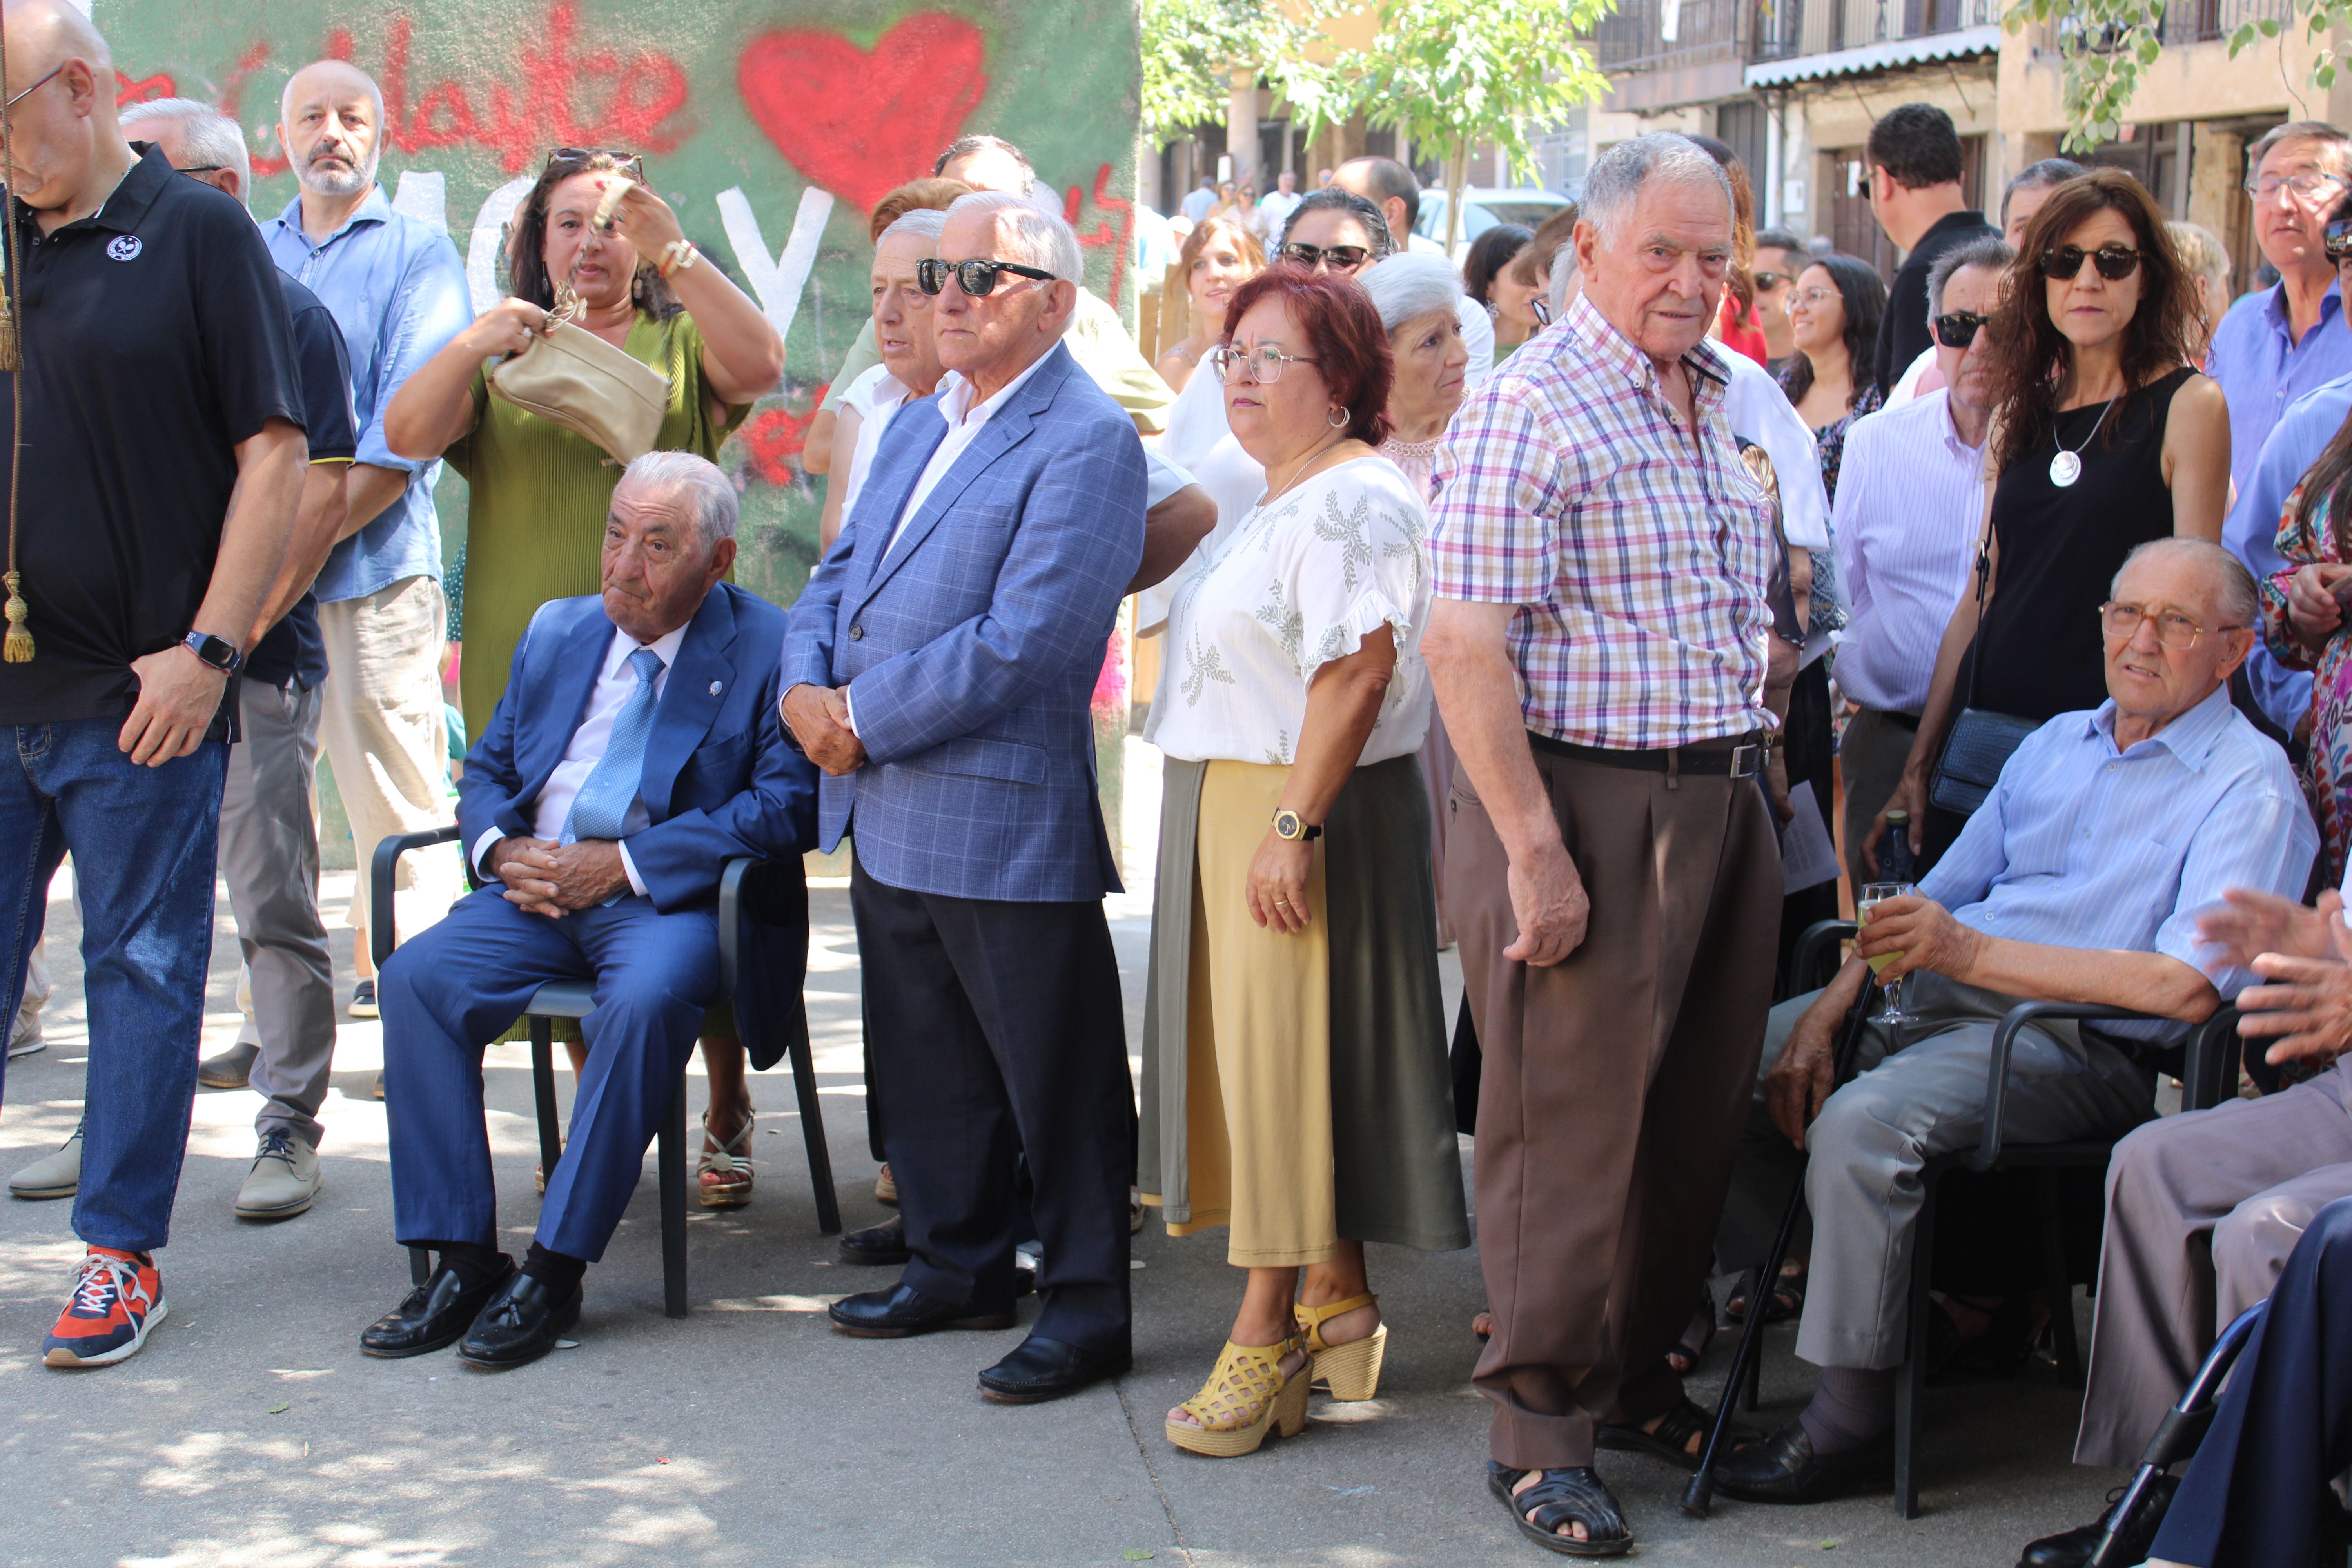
{"x":2234,"y":594}
{"x":208,"y":139}
{"x":1033,"y":230}
{"x":323,"y":84}
{"x":923,"y":223}
{"x":698,"y":482}
{"x":1619,"y":175}
{"x":1409,"y":285}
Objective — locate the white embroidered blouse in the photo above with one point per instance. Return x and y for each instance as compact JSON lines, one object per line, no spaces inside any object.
{"x":1295,"y":585}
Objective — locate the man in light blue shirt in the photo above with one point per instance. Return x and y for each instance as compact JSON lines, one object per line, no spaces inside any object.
{"x":2079,"y":879}
{"x":397,"y":290}
{"x":1197,"y":204}
{"x":2278,"y":344}
{"x":2252,"y":533}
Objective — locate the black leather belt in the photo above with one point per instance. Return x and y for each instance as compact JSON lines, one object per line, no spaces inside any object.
{"x":1739,"y":757}
{"x":1907,"y":721}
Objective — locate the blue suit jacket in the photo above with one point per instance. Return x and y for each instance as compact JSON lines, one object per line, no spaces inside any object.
{"x":972,"y":650}
{"x":719,"y":779}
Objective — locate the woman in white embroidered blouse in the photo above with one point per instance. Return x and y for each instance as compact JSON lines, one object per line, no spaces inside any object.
{"x":1295,"y":1081}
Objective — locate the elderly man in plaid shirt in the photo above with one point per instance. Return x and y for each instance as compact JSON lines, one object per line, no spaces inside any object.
{"x":1598,"y":648}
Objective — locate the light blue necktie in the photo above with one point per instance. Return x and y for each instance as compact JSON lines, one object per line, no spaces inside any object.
{"x":601,"y":807}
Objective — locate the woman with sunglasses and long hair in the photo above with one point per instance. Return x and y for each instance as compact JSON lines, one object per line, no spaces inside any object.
{"x":2103,"y":435}
{"x":537,"y":493}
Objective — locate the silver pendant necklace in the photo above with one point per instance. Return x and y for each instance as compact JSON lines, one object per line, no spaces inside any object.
{"x":2067,"y":467}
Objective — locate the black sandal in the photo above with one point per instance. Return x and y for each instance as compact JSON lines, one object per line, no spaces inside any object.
{"x":1698,"y":1334}
{"x":1783,"y":1301}
{"x":1671,"y":1441}
{"x":1560,"y":1497}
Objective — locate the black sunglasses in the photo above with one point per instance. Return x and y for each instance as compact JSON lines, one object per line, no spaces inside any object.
{"x":1342,"y":258}
{"x":2114,"y":262}
{"x":1767,"y":281}
{"x":1959,"y":328}
{"x":976,"y":279}
{"x":2338,"y":237}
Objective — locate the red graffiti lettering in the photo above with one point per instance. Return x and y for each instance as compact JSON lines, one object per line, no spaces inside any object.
{"x":544,"y":109}
{"x":1103,"y":234}
{"x":770,"y":438}
{"x":128,"y":91}
{"x":857,"y":124}
{"x":233,"y":95}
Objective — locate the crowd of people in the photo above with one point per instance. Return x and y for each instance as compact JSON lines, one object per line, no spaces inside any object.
{"x":1521,"y":605}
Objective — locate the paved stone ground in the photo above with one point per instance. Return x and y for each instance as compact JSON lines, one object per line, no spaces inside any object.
{"x":253,"y":1431}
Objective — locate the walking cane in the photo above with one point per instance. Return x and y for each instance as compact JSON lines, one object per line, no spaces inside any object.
{"x":1700,"y":1493}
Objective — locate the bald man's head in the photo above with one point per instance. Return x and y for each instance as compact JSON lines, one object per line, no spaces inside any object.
{"x":46,"y":34}
{"x":69,"y":150}
{"x":331,"y":122}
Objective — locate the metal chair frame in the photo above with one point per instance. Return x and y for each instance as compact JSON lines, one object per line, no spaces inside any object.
{"x":576,"y":999}
{"x":2204,"y":1060}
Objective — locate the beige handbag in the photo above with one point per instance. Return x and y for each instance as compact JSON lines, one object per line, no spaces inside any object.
{"x":575,"y":378}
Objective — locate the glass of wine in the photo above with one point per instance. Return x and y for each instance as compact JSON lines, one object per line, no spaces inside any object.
{"x":1872,"y":895}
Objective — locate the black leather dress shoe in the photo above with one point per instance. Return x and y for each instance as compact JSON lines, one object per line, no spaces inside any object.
{"x":521,"y":1324}
{"x":433,"y":1315}
{"x":1783,"y":1468}
{"x":2073,"y":1548}
{"x":884,"y":1243}
{"x":1045,"y":1369}
{"x":902,"y":1312}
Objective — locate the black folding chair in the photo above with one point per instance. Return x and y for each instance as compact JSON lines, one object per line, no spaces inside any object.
{"x":2202,"y":1063}
{"x":576,"y":999}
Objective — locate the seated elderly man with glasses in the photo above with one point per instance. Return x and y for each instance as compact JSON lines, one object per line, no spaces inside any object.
{"x":2080,"y":879}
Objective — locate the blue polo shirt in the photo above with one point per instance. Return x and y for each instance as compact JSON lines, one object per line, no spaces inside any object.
{"x":396,"y":288}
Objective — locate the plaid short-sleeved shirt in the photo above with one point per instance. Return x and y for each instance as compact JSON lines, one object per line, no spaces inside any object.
{"x":1570,"y":485}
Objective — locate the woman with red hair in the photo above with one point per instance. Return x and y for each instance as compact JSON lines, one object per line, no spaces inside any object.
{"x":1295,"y":1086}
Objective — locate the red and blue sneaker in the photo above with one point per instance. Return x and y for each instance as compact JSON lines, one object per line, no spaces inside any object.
{"x":118,"y":1297}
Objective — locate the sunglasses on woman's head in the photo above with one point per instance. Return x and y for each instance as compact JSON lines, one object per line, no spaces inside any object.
{"x":2114,"y":262}
{"x":1959,"y":328}
{"x":2338,"y":237}
{"x":631,"y":164}
{"x":1342,"y":258}
{"x":976,"y":279}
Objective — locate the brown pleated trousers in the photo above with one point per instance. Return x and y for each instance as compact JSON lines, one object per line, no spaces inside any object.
{"x":1615,"y":1087}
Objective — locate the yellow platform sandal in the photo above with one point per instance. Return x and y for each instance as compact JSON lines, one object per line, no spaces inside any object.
{"x":1352,"y":1370}
{"x":1246,"y":1397}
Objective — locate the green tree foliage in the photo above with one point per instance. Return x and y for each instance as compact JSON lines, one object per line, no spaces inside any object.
{"x":2104,"y":44}
{"x":1449,"y":75}
{"x":1191,"y":47}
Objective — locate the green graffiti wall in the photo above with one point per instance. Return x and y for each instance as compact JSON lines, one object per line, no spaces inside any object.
{"x":772,"y":126}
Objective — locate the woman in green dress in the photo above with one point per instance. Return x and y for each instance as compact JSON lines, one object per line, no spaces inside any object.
{"x":538,"y":493}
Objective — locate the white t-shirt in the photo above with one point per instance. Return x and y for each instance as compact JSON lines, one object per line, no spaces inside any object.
{"x":1197,"y":439}
{"x":1297,"y":585}
{"x":876,"y":396}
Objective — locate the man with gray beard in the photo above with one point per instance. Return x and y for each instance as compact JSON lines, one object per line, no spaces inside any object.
{"x":398,"y":291}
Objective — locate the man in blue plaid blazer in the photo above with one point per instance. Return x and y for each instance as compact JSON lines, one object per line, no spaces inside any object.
{"x":940,"y":670}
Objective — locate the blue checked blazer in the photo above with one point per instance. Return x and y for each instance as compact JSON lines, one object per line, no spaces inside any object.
{"x":971,"y":651}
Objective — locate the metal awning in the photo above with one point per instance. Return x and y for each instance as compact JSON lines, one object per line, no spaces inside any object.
{"x":1871,"y":59}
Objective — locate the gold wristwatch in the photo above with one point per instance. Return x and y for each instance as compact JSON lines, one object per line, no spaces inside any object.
{"x":1288,"y":825}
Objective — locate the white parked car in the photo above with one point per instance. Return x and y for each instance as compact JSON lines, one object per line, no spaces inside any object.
{"x":1483,"y":207}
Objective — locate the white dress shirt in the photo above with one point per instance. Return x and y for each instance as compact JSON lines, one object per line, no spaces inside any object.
{"x":876,"y":395}
{"x":1761,"y":413}
{"x":613,"y":684}
{"x":965,"y":423}
{"x":1910,"y":504}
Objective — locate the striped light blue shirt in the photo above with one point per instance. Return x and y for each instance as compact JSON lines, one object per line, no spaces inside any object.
{"x":2082,"y":846}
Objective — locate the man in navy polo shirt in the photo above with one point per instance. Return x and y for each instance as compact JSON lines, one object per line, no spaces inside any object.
{"x":159,"y":392}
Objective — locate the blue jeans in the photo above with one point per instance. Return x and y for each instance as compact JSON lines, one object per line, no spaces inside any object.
{"x":143,"y":842}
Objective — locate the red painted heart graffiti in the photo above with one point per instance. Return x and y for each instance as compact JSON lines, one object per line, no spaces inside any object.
{"x":772,"y":437}
{"x":858,"y":124}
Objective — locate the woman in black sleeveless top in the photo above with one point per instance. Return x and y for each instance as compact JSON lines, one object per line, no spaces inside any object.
{"x":2104,"y":437}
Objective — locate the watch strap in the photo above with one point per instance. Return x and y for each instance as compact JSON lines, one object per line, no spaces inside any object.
{"x":217,"y":651}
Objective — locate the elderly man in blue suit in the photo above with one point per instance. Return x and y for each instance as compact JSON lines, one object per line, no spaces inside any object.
{"x":939,"y":669}
{"x":637,"y":749}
